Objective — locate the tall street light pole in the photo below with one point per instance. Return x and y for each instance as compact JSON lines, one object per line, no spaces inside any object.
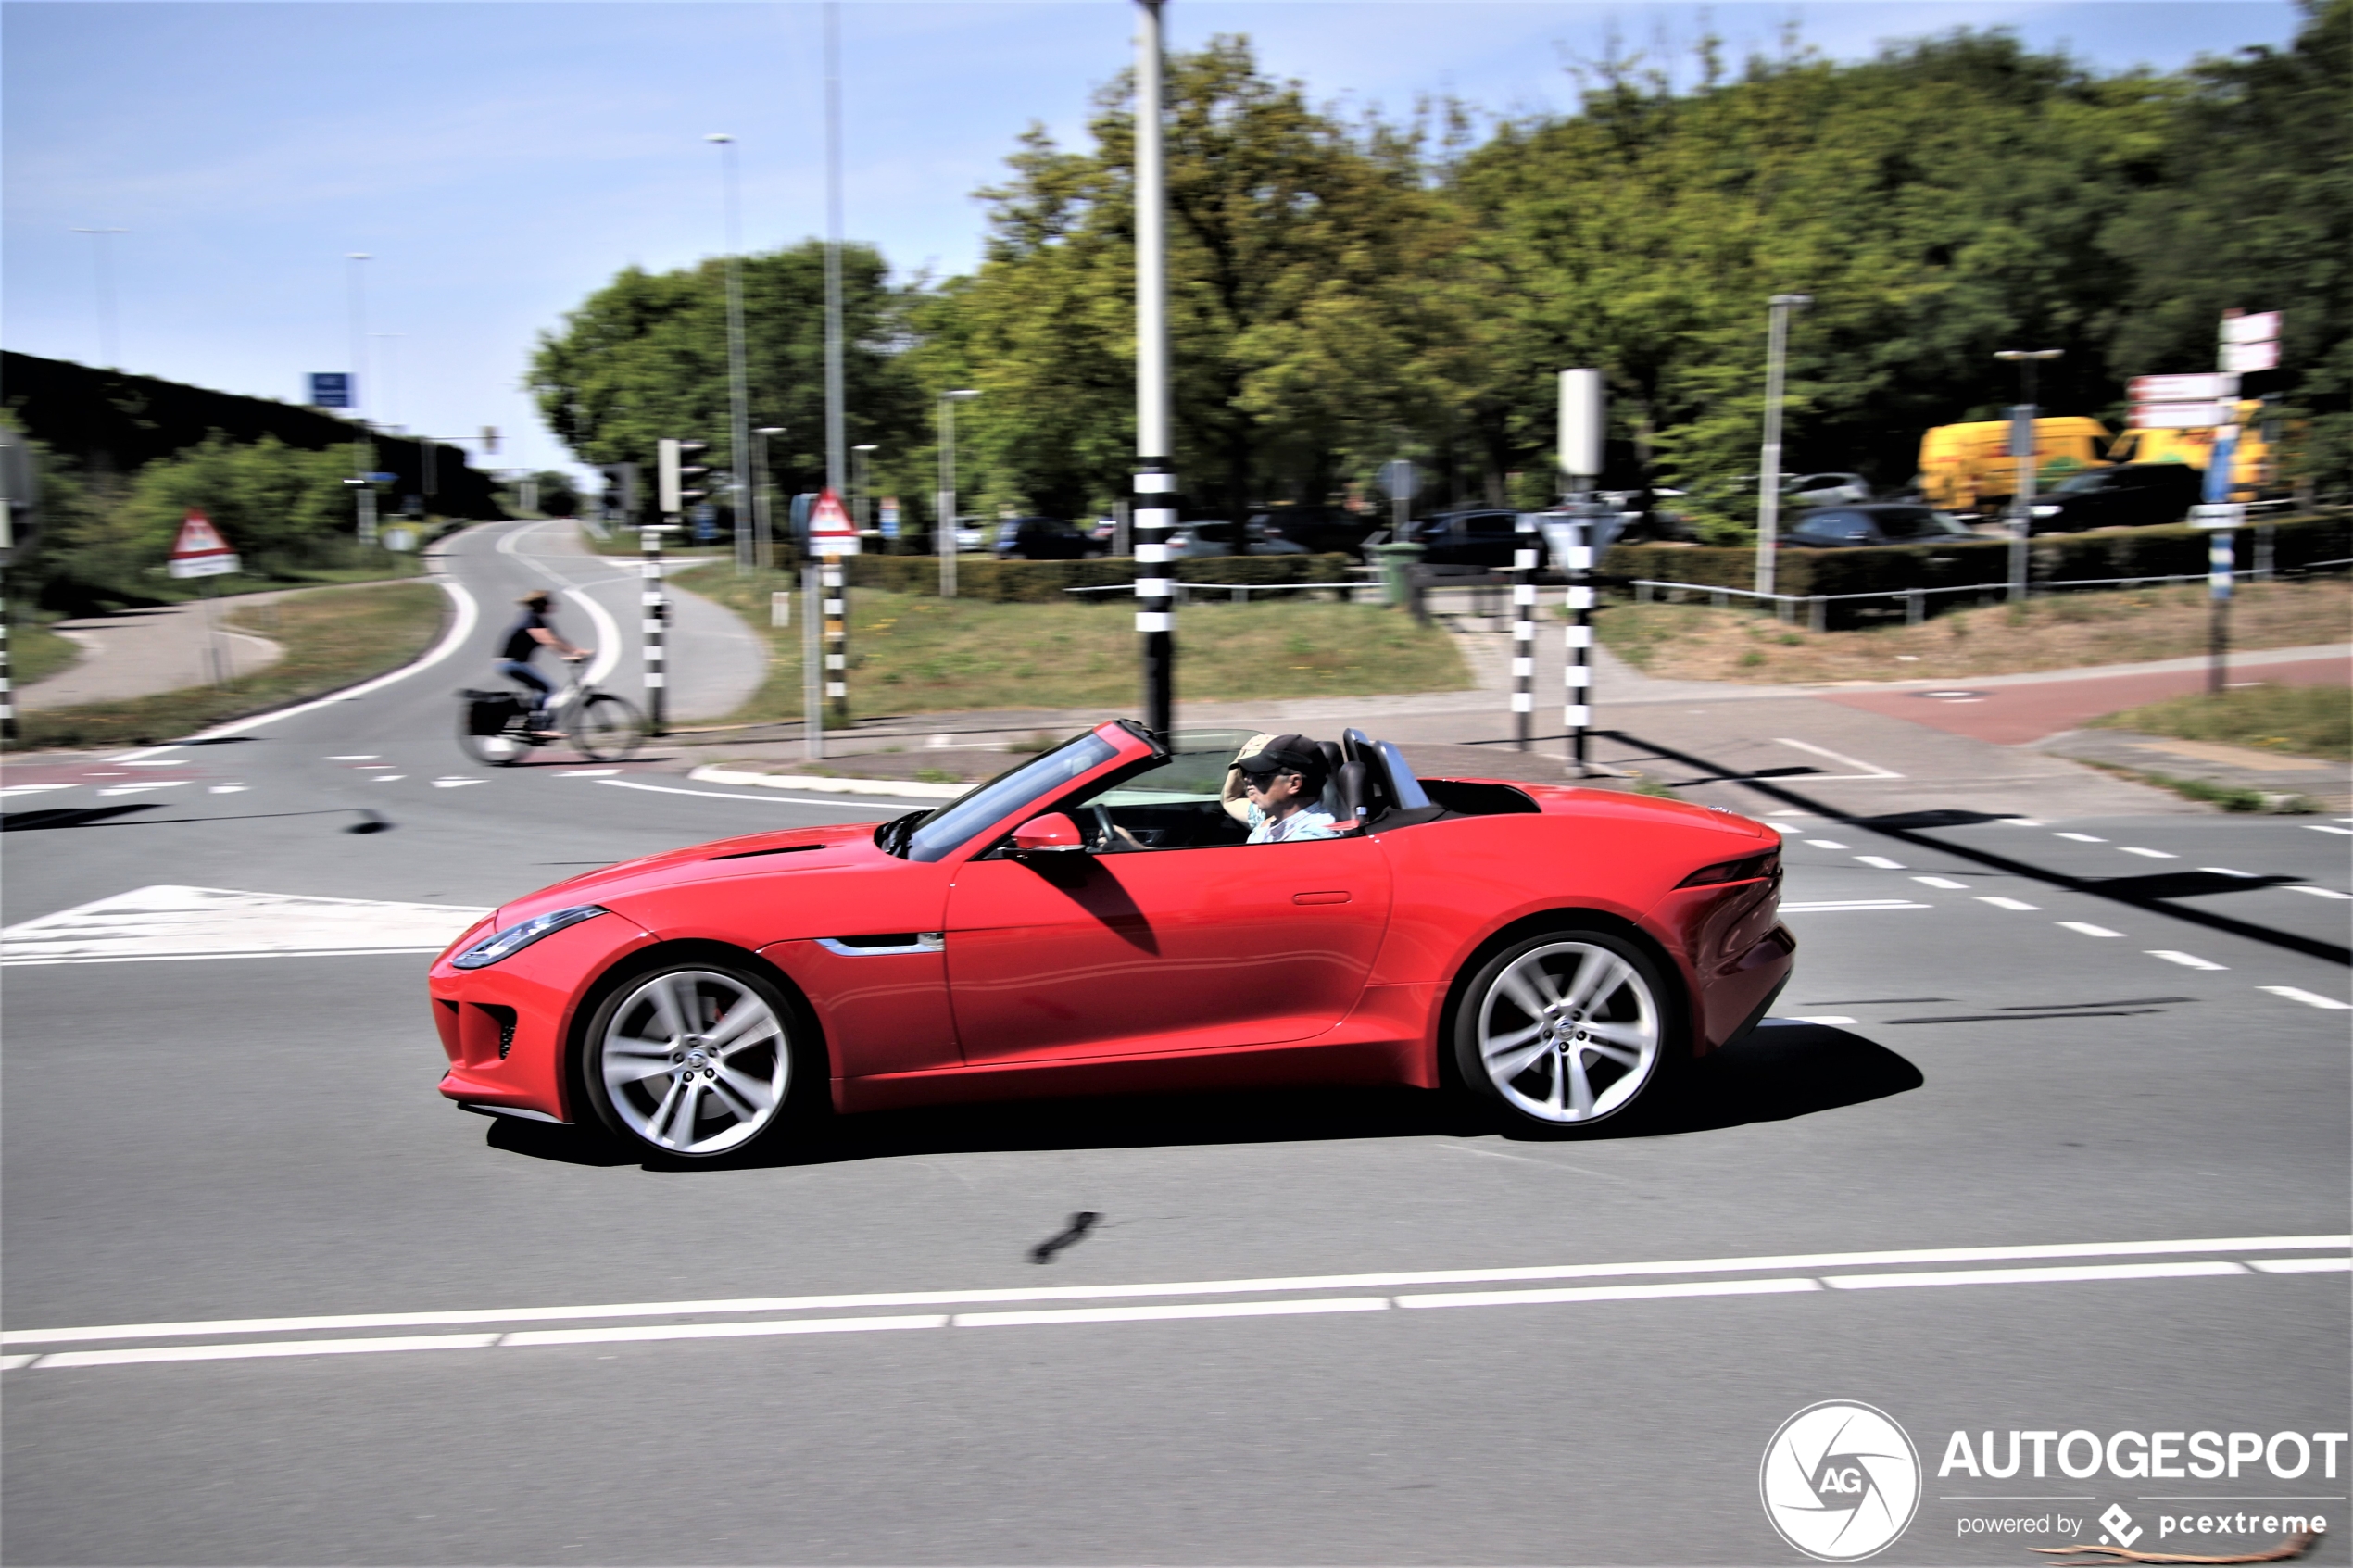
{"x":834,"y":436}
{"x":944,"y":528}
{"x":858,"y":485}
{"x":108,"y":349}
{"x":391,"y":409}
{"x":2022,"y":452}
{"x":358,"y":299}
{"x":1155,"y":488}
{"x":738,"y":397}
{"x":1768,"y":491}
{"x":763,"y":505}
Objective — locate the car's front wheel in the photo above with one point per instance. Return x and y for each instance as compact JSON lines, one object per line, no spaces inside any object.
{"x":695,"y":1059}
{"x":1565,"y":1029}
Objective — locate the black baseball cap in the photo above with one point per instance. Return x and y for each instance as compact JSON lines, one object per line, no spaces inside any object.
{"x":1284,"y":754}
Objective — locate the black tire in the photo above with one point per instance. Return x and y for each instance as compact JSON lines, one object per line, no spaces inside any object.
{"x":502,"y":750}
{"x":607,"y":729}
{"x":700,"y":1093}
{"x":1525,"y":1042}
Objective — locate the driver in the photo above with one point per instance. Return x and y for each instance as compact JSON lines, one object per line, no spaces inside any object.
{"x":525,"y":637}
{"x":1282,"y":783}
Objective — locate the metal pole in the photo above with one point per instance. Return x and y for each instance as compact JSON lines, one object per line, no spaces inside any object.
{"x":1155,"y":487}
{"x":834,"y":437}
{"x":2219,"y":554}
{"x":1524,"y":633}
{"x":943,"y":531}
{"x":813,"y":651}
{"x":359,"y":328}
{"x":738,"y":392}
{"x":657,"y":610}
{"x":107,"y":344}
{"x":1769,"y":493}
{"x":837,"y":640}
{"x":1577,"y":673}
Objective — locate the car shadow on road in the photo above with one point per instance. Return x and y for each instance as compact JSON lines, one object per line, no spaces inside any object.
{"x":1776,"y":1075}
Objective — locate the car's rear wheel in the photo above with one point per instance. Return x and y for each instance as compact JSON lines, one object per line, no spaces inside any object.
{"x":1565,"y":1029}
{"x":695,"y":1059}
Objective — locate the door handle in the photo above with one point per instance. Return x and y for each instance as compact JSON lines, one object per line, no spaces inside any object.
{"x":1319,"y":898}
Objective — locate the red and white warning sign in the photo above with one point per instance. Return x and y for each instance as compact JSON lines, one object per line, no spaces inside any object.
{"x":200,"y":551}
{"x":830,"y":530}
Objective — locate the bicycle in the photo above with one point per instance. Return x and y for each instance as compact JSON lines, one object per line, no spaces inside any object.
{"x":495,"y":727}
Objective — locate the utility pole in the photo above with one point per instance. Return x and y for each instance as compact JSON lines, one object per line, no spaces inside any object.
{"x":763,"y":506}
{"x":738,"y":398}
{"x":1769,"y":493}
{"x":944,"y":529}
{"x":109,"y":349}
{"x":2022,"y":442}
{"x":1155,"y":489}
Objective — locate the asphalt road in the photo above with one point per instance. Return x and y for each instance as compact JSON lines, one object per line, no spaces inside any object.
{"x":2044,"y":1039}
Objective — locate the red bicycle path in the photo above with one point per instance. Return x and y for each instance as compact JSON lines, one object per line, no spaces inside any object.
{"x":2013,"y":713}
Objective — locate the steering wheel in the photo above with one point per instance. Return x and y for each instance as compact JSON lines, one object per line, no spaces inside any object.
{"x":1110,"y":834}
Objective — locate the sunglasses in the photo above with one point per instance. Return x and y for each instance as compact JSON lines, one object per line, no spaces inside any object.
{"x":1259,"y":781}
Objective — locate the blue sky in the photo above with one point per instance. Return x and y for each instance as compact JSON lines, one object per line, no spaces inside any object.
{"x":500,"y":160}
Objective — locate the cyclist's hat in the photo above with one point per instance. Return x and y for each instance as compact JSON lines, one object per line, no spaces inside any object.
{"x":539,"y":598}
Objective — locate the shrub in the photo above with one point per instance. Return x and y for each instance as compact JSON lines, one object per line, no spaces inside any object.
{"x":1046,"y":581}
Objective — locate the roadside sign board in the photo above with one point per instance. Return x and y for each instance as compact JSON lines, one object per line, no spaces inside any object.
{"x":380,"y":478}
{"x":2244,"y":358}
{"x":890,"y":517}
{"x":2262,"y":327}
{"x":2180,"y":415}
{"x":830,"y":530}
{"x":331,"y":389}
{"x":1398,"y":481}
{"x":2218,"y":514}
{"x":199,"y":551}
{"x":2184,"y":389}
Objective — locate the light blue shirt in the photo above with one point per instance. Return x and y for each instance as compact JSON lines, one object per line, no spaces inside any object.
{"x":1308,"y":822}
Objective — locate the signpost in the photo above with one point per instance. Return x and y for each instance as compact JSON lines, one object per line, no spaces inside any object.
{"x":2250,"y":342}
{"x":831,"y":535}
{"x":199,"y":551}
{"x":2222,"y":516}
{"x":332,"y":389}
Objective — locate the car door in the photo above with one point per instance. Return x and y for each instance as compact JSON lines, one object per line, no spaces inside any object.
{"x":1162,"y":950}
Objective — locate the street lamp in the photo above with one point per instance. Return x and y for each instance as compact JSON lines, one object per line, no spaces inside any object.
{"x":392,"y":375}
{"x":859,"y":483}
{"x":1768,"y":495}
{"x":763,"y":506}
{"x":2022,"y":453}
{"x":357,"y":290}
{"x":944,"y":528}
{"x":107,"y":346}
{"x":747,"y":551}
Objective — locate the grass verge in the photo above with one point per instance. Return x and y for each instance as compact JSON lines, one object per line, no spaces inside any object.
{"x":915,"y":654}
{"x":34,"y":651}
{"x":2299,"y":721}
{"x":332,"y":637}
{"x":2228,"y":797}
{"x":2061,"y":632}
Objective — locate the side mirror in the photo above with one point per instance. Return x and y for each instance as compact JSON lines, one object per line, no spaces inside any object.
{"x":1051,"y":834}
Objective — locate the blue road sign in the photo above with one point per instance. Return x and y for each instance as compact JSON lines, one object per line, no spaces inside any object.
{"x":333,"y":389}
{"x":380,"y":478}
{"x":706,"y":523}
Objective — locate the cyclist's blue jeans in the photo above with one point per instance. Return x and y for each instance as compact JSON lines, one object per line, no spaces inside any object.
{"x":516,"y":669}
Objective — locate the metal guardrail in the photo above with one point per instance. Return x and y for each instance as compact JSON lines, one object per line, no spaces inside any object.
{"x":1236,"y":592}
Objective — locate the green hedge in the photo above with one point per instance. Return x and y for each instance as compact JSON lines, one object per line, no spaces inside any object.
{"x":1044,"y":582}
{"x":2175,"y":550}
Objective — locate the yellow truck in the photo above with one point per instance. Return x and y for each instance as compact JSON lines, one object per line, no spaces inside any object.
{"x":2254,"y":460}
{"x":1968,"y":468}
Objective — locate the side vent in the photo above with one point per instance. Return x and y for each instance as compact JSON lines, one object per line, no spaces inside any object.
{"x":505,"y":1018}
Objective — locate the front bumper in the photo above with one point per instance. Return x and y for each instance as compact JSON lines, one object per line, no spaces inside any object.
{"x":505,"y":1029}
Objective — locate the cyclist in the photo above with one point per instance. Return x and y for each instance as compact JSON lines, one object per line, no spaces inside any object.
{"x":525,"y":637}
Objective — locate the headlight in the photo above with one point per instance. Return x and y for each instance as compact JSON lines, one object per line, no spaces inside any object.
{"x":2046,"y":511}
{"x":515,"y":938}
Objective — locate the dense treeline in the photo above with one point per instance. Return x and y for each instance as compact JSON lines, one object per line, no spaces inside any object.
{"x":1344,"y":291}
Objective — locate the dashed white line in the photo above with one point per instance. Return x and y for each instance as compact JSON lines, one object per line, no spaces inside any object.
{"x":31,"y":789}
{"x":357,"y":757}
{"x":2001,"y":903}
{"x":227,"y":789}
{"x":840,"y":804}
{"x":2223,"y":871}
{"x":2076,"y":1273}
{"x":2087,"y":929}
{"x":2323,"y":827}
{"x":1944,"y":881}
{"x":2309,"y":998}
{"x":1881,"y":861}
{"x":2188,"y":960}
{"x":454,"y":782}
{"x":2302,"y":1265}
{"x":2317,"y":892}
{"x":1851,"y":905}
{"x":2151,"y":854}
{"x":1831,"y":1018}
{"x":1824,"y":844}
{"x":2080,"y":838}
{"x":388,"y":778}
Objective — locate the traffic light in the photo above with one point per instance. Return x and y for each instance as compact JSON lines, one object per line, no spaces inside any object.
{"x":675,"y":471}
{"x":620,"y":491}
{"x":489,"y":440}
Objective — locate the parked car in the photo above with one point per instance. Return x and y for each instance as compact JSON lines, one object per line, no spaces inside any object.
{"x":2131,"y":495}
{"x":1826,"y":489}
{"x":1883,"y":522}
{"x":1042,"y":538}
{"x":972,"y":534}
{"x":1217,"y":537}
{"x":1323,"y":530}
{"x":1489,"y":537}
{"x":1093,"y":920}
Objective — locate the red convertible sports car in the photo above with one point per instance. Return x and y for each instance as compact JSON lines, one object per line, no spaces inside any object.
{"x":1093,"y":921}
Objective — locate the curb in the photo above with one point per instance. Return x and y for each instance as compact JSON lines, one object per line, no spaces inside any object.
{"x":908,"y":790}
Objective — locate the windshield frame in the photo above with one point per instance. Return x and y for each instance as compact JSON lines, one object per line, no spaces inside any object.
{"x":1022,"y":790}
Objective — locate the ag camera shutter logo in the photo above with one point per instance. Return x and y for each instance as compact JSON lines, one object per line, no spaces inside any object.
{"x":1841,"y":1481}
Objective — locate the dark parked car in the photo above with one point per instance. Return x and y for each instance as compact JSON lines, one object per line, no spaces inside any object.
{"x":1487,"y":537}
{"x":1886,"y":522}
{"x":1042,"y":538}
{"x":2129,"y":495}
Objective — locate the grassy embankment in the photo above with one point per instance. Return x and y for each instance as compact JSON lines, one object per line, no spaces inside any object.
{"x":917,"y":654}
{"x":34,"y":651}
{"x":2062,"y":632}
{"x":332,"y":638}
{"x":2298,"y":721}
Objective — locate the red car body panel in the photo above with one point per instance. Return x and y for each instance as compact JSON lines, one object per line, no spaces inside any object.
{"x":981,"y":977}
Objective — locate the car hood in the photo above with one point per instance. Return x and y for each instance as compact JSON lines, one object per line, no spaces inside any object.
{"x":832,"y":847}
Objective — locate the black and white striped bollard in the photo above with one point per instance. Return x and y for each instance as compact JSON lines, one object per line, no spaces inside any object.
{"x":1524,"y":633}
{"x":1155,"y":593}
{"x":1577,"y":672}
{"x":657,"y":614}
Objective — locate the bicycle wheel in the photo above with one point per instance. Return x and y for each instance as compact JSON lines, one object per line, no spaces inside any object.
{"x":606,"y":728}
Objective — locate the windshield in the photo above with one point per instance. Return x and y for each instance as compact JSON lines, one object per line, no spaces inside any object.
{"x":1194,"y":769}
{"x":942,"y":833}
{"x":2078,"y":483}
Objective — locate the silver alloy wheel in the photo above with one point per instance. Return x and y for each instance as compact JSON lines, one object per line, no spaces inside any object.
{"x":695,"y":1060}
{"x":1568,"y":1033}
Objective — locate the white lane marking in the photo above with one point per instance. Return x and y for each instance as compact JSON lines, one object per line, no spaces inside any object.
{"x":2301,"y":1265}
{"x":1862,"y":770}
{"x":2080,"y":838}
{"x":358,"y":757}
{"x":2001,"y":903}
{"x":1610,"y":1293}
{"x":1881,"y":861}
{"x":159,"y":762}
{"x":388,"y":778}
{"x":1946,"y":883}
{"x":1825,"y":843}
{"x":2317,"y":892}
{"x":903,"y":788}
{"x":761,"y":1329}
{"x":2223,"y":871}
{"x":170,"y":920}
{"x":227,"y":789}
{"x":715,"y":795}
{"x":2188,"y":960}
{"x":2086,"y":928}
{"x":2071,"y":1274}
{"x":179,"y":957}
{"x":461,"y":629}
{"x":10,"y":1363}
{"x":1851,"y":905}
{"x":2151,"y":854}
{"x":2323,"y":827}
{"x":608,"y":637}
{"x":31,"y":789}
{"x":1829,"y":1018}
{"x":1189,"y":1309}
{"x":454,"y":782}
{"x":144,"y":788}
{"x":254,"y":1352}
{"x":2019,"y":822}
{"x":2309,"y":998}
{"x":586,"y":772}
{"x":1782,"y":1261}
